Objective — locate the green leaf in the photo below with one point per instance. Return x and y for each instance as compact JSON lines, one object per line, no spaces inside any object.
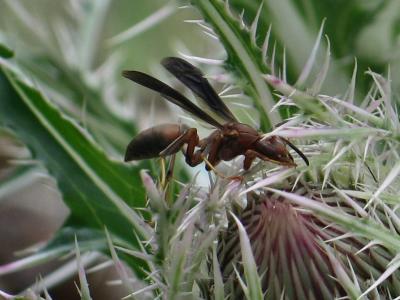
{"x":5,"y":52}
{"x":289,"y":31}
{"x":244,"y":58}
{"x":99,"y":192}
{"x":82,"y":102}
{"x":295,"y":22}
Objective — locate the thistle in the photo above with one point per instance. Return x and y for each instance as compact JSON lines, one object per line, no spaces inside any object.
{"x":324,"y":231}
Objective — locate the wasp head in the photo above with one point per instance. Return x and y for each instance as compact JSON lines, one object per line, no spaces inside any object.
{"x":274,"y":149}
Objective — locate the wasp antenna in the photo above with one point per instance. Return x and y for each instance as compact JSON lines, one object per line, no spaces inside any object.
{"x":128,"y":73}
{"x":297,"y":150}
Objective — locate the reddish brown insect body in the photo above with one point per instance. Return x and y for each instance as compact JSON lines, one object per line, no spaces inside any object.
{"x":228,"y":141}
{"x":154,"y":140}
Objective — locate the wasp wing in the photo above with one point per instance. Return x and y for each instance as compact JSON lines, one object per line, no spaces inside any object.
{"x":170,"y":94}
{"x":194,"y":79}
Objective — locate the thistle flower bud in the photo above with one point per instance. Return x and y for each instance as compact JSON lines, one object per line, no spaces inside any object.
{"x":287,"y":249}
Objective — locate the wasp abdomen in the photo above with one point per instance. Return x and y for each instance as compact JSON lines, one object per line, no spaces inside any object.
{"x":150,"y":142}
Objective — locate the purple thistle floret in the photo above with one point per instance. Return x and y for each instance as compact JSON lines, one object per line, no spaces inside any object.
{"x":286,"y":244}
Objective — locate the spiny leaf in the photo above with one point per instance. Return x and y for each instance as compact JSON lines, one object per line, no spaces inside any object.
{"x":98,"y":191}
{"x":250,"y":268}
{"x":244,"y":58}
{"x":84,"y":290}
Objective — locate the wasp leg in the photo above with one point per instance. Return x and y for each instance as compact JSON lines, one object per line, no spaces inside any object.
{"x":163,"y":176}
{"x":194,"y":158}
{"x":213,"y":158}
{"x":189,"y":137}
{"x":166,"y":173}
{"x":249,"y":157}
{"x":170,"y":171}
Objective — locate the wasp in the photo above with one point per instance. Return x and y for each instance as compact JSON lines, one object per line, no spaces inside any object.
{"x":229,"y":140}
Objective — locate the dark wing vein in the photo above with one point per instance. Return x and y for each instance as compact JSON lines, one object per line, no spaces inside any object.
{"x":194,"y":79}
{"x":170,"y":94}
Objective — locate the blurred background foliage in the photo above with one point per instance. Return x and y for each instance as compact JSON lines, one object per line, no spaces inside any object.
{"x":65,"y":49}
{"x":73,"y":52}
{"x":364,"y":30}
